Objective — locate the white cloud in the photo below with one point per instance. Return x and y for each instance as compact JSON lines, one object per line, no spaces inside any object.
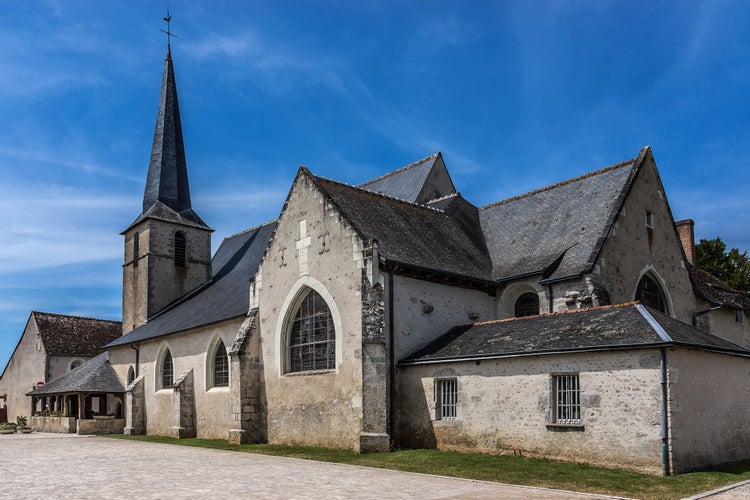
{"x":49,"y":226}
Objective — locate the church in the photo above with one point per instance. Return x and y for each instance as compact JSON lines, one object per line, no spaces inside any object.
{"x":567,"y":323}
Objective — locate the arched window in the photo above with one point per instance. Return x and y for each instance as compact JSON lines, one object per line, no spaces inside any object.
{"x":527,"y":305}
{"x":650,"y":293}
{"x":167,"y":371}
{"x":312,"y":336}
{"x":75,"y":364}
{"x":131,"y":375}
{"x":179,"y":249}
{"x":220,"y":366}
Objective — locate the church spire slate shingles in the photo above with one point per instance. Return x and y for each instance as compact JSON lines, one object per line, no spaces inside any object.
{"x":167,"y":171}
{"x":167,"y":193}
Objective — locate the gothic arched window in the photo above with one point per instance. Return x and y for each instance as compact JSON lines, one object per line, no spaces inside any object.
{"x":167,"y":371}
{"x":650,"y":293}
{"x":312,"y":336}
{"x":131,"y":374}
{"x":220,"y":366}
{"x":179,"y":249}
{"x":527,"y":305}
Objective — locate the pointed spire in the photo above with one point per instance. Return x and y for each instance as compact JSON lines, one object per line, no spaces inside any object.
{"x":167,"y":171}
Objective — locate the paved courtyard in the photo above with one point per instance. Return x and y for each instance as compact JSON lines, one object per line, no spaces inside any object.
{"x":69,"y":466}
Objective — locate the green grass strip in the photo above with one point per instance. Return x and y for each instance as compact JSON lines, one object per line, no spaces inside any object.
{"x":498,"y":468}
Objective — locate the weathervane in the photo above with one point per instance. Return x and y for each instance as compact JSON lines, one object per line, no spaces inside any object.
{"x":169,"y":33}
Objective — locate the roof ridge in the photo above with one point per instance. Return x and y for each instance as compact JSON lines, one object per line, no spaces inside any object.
{"x":557,"y":313}
{"x":560,"y":184}
{"x":444,"y":197}
{"x":401,"y":169}
{"x":75,"y":316}
{"x":372,"y":193}
{"x":244,"y":231}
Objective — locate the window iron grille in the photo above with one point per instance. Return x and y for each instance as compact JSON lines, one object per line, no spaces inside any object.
{"x":527,"y":305}
{"x":567,"y":400}
{"x":448,"y":399}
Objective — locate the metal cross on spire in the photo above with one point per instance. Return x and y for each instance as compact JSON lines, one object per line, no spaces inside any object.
{"x":169,"y":33}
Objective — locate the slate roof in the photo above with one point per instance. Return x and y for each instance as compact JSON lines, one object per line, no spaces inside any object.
{"x":714,"y":290}
{"x":225,"y":296}
{"x":167,"y":192}
{"x":162,"y":212}
{"x":624,"y":326}
{"x":559,"y":229}
{"x":95,"y":375}
{"x":408,"y":182}
{"x":75,"y":336}
{"x":409,"y":233}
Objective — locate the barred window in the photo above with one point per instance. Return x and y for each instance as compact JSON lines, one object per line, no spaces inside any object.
{"x":221,"y":366}
{"x":179,"y":249}
{"x":650,"y":294}
{"x":167,"y":371}
{"x":312,"y":337}
{"x":447,"y":398}
{"x":527,"y":305}
{"x":567,"y":399}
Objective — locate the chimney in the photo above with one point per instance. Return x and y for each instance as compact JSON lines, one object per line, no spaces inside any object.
{"x":685,"y":228}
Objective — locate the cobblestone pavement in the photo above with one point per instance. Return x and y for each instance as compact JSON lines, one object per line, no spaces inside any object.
{"x":736,"y":491}
{"x":69,"y":466}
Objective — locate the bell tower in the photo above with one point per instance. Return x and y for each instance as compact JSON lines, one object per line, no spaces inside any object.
{"x":168,"y":246}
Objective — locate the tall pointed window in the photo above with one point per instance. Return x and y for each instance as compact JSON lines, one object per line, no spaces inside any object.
{"x":527,"y":305}
{"x":650,"y":294}
{"x":220,"y":366}
{"x":167,"y":371}
{"x":136,"y":249}
{"x":179,"y":249}
{"x":131,"y":375}
{"x":312,"y":336}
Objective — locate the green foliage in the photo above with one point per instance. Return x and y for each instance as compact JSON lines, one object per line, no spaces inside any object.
{"x":732,"y":267}
{"x":498,"y":468}
{"x":22,"y":422}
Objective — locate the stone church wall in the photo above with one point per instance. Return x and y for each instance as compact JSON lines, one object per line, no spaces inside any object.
{"x":723,"y":323}
{"x":632,"y":249}
{"x":155,"y":282}
{"x":189,"y":351}
{"x":424,"y":311}
{"x":25,"y":368}
{"x":708,"y":409}
{"x":505,"y":406}
{"x":313,"y":248}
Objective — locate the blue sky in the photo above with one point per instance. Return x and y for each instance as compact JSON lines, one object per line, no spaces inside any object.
{"x":517,"y":95}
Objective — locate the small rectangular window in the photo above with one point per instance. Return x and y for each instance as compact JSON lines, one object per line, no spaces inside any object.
{"x":567,"y":395}
{"x":649,"y":219}
{"x":447,"y":399}
{"x":739,"y":317}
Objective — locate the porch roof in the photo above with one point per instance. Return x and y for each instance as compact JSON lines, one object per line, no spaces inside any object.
{"x":95,"y":375}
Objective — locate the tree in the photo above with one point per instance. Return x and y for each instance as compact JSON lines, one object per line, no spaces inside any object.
{"x":732,"y":267}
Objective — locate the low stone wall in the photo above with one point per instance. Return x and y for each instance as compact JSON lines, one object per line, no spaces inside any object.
{"x":101,"y":426}
{"x":60,"y":425}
